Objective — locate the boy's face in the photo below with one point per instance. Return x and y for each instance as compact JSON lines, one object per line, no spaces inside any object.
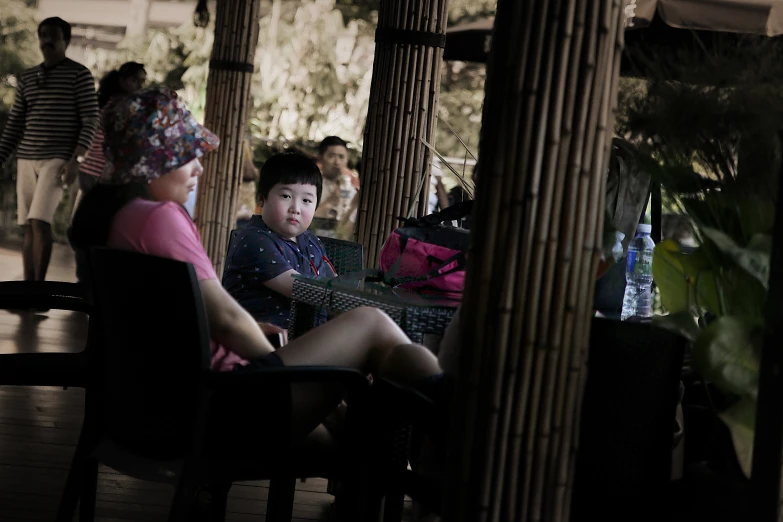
{"x":333,"y":161}
{"x":288,"y":210}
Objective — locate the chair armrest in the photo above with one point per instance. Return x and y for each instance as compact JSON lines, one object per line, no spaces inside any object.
{"x":353,"y":379}
{"x":56,"y":295}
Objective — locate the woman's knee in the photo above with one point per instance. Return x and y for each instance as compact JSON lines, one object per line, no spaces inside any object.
{"x":368,"y":313}
{"x":378,"y":321}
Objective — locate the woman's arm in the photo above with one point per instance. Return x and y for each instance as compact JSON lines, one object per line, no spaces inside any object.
{"x":230,"y":325}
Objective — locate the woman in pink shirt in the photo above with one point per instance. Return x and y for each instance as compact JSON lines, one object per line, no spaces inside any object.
{"x":153,"y":146}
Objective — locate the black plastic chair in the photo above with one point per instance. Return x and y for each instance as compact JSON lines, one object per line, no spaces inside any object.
{"x":149,"y":413}
{"x":346,"y":256}
{"x":50,"y":368}
{"x":56,"y":295}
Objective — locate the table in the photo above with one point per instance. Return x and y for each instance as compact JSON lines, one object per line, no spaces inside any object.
{"x":417,"y":314}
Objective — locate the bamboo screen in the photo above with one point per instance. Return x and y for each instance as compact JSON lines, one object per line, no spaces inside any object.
{"x":228,"y":98}
{"x":402,"y":114}
{"x":546,"y":135}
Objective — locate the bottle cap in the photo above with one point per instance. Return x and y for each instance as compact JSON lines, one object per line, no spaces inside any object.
{"x":644,"y":228}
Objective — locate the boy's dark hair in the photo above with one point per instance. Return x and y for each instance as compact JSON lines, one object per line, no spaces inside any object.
{"x":57,"y":22}
{"x":330,"y":141}
{"x":289,"y":168}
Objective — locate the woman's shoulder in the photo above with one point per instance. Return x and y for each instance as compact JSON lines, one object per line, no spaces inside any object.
{"x":156,"y":208}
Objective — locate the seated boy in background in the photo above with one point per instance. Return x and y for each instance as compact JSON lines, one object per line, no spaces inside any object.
{"x":273,"y":247}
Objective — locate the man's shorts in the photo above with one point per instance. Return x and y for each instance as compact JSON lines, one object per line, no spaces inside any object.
{"x":38,"y":189}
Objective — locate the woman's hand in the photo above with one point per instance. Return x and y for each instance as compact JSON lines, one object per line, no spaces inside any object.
{"x":271,"y":329}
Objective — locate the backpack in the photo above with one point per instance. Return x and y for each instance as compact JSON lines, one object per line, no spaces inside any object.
{"x":427,"y":256}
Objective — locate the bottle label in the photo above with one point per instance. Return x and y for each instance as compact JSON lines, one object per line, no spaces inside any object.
{"x":639,"y":263}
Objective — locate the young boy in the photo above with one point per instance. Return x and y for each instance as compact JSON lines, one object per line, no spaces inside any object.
{"x":273,"y":247}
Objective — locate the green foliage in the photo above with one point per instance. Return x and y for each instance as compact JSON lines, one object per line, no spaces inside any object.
{"x":18,"y":51}
{"x":732,"y":286}
{"x":685,"y":280}
{"x":461,"y":102}
{"x":463,"y":10}
{"x":727,"y":277}
{"x":721,"y":120}
{"x":712,"y":142}
{"x":314,"y":68}
{"x":18,"y":46}
{"x":314,"y":78}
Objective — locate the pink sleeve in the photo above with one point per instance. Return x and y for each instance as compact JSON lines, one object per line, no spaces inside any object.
{"x":169,"y":232}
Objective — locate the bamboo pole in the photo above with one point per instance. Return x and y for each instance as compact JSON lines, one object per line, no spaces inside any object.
{"x":549,"y":111}
{"x":403,"y":99}
{"x":228,"y":99}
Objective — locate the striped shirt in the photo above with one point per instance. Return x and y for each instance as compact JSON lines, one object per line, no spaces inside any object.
{"x":55,"y":110}
{"x":95,"y":161}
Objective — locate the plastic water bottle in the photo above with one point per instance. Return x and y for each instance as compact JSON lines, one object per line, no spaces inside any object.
{"x":638,"y":275}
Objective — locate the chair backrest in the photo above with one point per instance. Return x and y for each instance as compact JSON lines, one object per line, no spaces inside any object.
{"x":156,"y":353}
{"x":627,"y":421}
{"x":346,"y":256}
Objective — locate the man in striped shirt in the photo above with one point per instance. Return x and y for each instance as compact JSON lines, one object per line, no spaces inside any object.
{"x":51,"y":125}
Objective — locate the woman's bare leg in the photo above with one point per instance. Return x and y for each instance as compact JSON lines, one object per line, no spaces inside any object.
{"x":365,"y":339}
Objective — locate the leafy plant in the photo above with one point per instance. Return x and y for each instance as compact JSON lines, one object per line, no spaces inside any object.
{"x":726,"y":349}
{"x":18,"y":45}
{"x":715,"y":296}
{"x":711,"y":139}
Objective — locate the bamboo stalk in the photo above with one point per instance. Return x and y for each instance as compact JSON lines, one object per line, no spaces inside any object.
{"x":419,"y":108}
{"x":236,"y":38}
{"x":432,"y":86}
{"x":398,"y":118}
{"x":546,"y":261}
{"x":615,"y":38}
{"x":544,"y":174}
{"x":522,"y":203}
{"x":538,"y":112}
{"x":397,"y":132}
{"x":407,"y":168}
{"x":474,"y":363}
{"x":573,"y":167}
{"x":588,"y":265}
{"x":393,"y":119}
{"x":562,"y":265}
{"x":382,"y":61}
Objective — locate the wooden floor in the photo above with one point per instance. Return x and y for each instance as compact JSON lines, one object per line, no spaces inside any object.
{"x":39,"y":428}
